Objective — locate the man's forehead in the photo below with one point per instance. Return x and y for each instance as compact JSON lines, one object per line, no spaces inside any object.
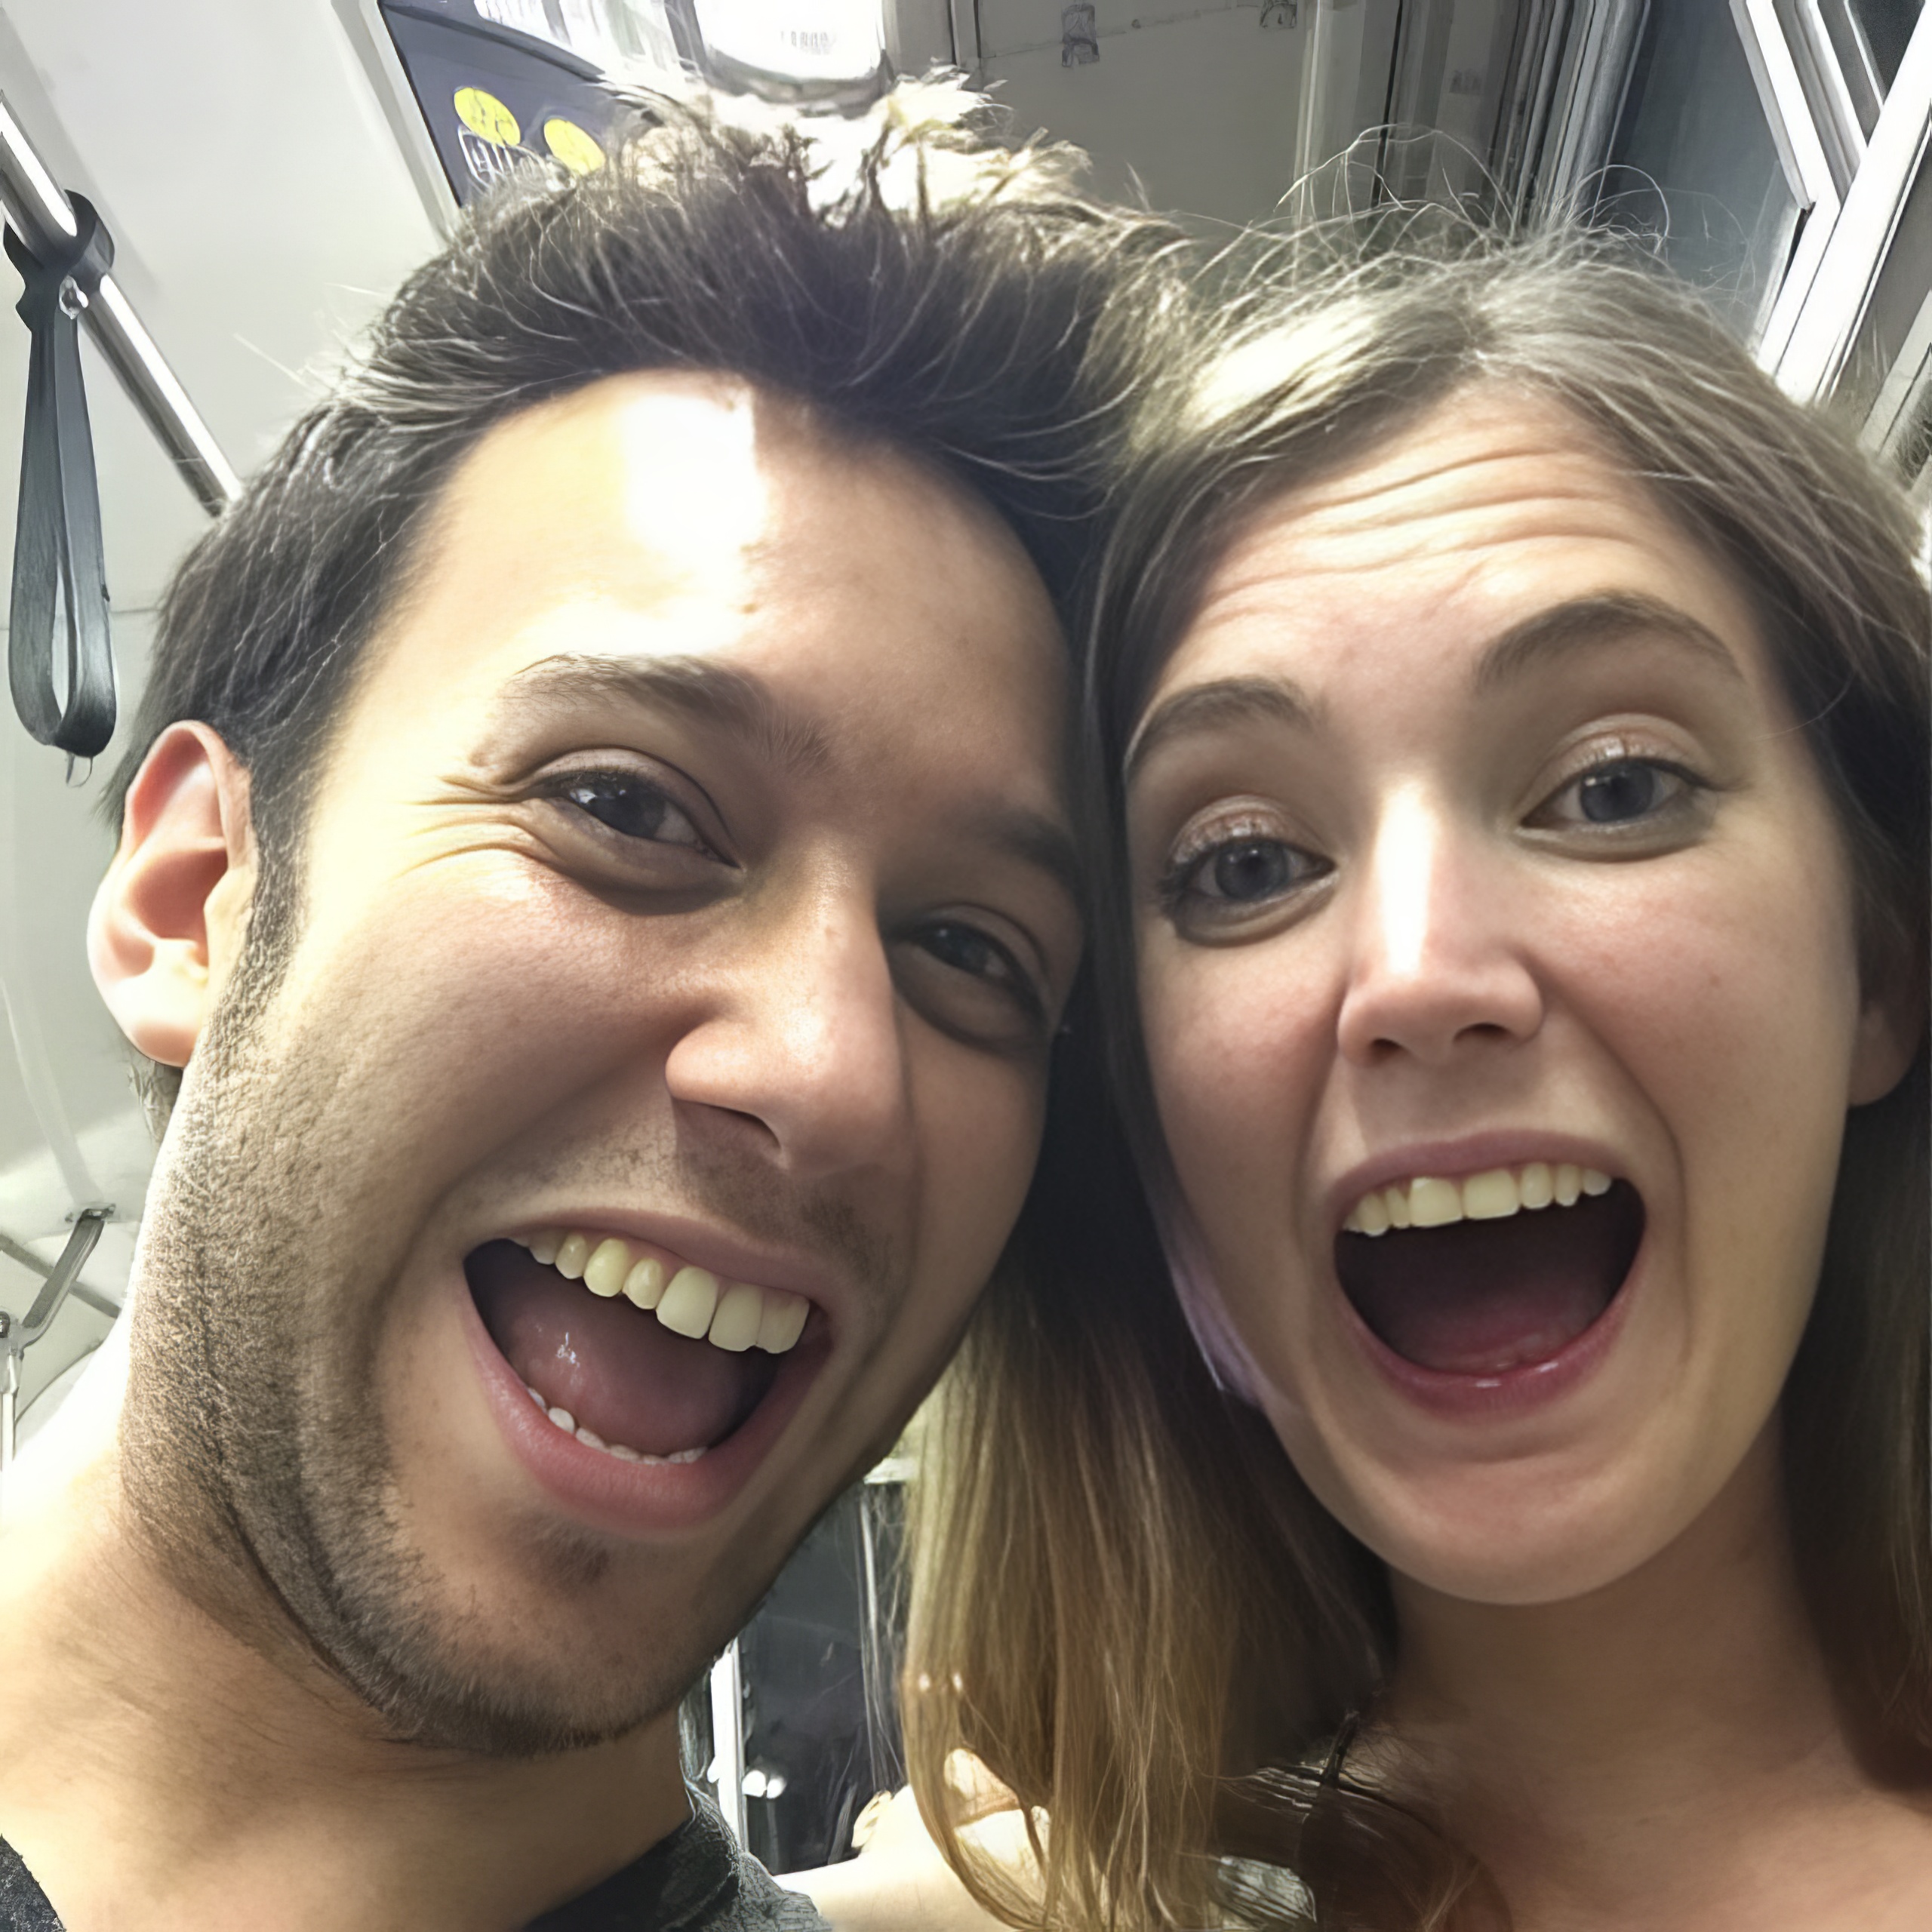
{"x":669,"y":469}
{"x":687,"y":515}
{"x":674,"y":486}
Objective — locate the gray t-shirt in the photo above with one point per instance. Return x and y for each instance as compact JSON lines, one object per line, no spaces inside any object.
{"x":695,"y":1881}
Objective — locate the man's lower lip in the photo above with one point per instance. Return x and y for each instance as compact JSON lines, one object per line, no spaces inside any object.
{"x":634,"y":1498}
{"x":1510,"y":1391}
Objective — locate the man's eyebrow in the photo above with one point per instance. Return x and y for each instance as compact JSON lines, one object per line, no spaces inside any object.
{"x":745,"y":705}
{"x":1224,"y":701}
{"x":1586,"y":624}
{"x":712,"y":693}
{"x":1035,"y":840}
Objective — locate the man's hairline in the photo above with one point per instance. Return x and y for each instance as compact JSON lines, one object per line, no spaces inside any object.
{"x":800,"y":420}
{"x":281,"y":837}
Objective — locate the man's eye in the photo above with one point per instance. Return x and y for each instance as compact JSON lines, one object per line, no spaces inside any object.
{"x":970,"y":985}
{"x":1622,"y":792}
{"x":967,"y":950}
{"x":633,"y":808}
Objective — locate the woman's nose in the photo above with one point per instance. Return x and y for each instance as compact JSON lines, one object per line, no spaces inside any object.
{"x":1436,"y":961}
{"x":801,"y":1036}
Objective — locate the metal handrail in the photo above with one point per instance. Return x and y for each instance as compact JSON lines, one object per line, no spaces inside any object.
{"x":17,"y":1336}
{"x":25,"y":1257}
{"x":40,"y":214}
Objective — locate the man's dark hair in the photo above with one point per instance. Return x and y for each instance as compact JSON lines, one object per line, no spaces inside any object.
{"x":949,"y":299}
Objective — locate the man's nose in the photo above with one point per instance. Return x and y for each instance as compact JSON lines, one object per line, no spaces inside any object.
{"x":801,"y":1036}
{"x":1438,"y":961}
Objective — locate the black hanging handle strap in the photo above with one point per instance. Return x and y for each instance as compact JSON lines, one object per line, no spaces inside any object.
{"x":59,"y":578}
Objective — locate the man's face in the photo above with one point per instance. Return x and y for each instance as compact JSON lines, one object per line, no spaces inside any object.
{"x":688,"y":872}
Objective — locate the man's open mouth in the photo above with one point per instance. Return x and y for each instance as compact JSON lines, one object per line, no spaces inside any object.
{"x":627,"y":1349}
{"x":1500,"y":1270}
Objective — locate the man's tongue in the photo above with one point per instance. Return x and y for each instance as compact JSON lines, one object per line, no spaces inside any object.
{"x":617,"y":1369}
{"x":1482,"y":1297}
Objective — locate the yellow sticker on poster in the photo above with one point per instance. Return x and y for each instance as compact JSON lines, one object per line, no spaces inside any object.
{"x":485,"y":116}
{"x":577,"y":151}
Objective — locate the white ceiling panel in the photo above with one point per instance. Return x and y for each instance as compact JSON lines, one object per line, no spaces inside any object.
{"x":1199,"y":104}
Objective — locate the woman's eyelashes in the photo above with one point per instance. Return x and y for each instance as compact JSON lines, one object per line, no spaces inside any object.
{"x":1621,"y":794}
{"x":1228,"y":868}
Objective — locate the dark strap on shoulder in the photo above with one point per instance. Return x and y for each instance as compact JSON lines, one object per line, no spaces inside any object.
{"x":697,"y":1880}
{"x":60,"y":578}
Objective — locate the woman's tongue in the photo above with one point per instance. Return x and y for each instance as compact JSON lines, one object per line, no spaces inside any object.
{"x":1483,"y":1297}
{"x":1487,"y":1332}
{"x":617,"y":1369}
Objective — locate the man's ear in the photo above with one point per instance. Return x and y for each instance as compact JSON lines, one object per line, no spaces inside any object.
{"x":167,"y":921}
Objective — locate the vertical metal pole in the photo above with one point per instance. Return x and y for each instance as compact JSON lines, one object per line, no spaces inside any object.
{"x":963,"y":17}
{"x":876,"y":1649}
{"x":727,"y":1737}
{"x":10,"y":1389}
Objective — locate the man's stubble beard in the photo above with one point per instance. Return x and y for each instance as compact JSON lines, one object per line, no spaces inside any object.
{"x":255,"y":1460}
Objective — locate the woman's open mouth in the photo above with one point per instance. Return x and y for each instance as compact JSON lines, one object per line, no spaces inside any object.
{"x":626,"y":1349}
{"x":1497,"y":1273}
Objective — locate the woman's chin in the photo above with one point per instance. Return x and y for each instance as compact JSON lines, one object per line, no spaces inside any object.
{"x":1511,"y":1573}
{"x":1533,"y":1531}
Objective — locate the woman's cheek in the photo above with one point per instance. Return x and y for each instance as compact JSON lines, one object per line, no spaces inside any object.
{"x":1236,"y":1045}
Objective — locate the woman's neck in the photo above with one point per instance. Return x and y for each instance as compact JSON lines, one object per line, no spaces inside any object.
{"x":1664,"y":1752}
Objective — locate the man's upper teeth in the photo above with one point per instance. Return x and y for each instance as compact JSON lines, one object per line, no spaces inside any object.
{"x":1427,"y":1202}
{"x":735,"y":1315}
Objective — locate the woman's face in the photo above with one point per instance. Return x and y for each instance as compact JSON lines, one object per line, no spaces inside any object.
{"x":1483,"y":884}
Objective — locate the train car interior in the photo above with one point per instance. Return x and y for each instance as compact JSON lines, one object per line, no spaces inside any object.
{"x":205,"y":202}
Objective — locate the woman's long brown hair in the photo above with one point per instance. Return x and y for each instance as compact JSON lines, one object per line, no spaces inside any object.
{"x":1124,"y":1600}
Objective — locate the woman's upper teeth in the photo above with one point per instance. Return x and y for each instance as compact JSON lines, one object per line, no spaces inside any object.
{"x":1428,"y":1202}
{"x":735,"y":1315}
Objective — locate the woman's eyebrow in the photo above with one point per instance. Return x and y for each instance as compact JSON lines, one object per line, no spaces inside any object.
{"x":1580,"y":623}
{"x":1591,"y":624}
{"x":1209,"y":706}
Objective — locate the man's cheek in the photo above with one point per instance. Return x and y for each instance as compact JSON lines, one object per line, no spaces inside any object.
{"x":984,"y":1144}
{"x":467,"y":1012}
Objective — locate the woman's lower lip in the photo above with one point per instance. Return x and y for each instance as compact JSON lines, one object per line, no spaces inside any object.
{"x":633,"y":1499}
{"x":1510,"y":1391}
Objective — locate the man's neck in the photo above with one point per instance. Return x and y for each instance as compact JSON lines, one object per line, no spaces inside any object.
{"x":148,"y":1754}
{"x":1666,"y":1752}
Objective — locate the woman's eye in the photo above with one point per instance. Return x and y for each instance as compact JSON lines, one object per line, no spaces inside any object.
{"x":1258,"y":869}
{"x":1626,"y":791}
{"x":633,"y":808}
{"x":1241,"y":872}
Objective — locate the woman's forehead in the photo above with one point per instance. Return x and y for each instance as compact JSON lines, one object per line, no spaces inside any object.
{"x":1486,"y":458}
{"x":1496,"y":504}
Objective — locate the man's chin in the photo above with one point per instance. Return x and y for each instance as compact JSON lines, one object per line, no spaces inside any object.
{"x":492,"y":1706}
{"x":545,"y":1646}
{"x":258,"y":1465}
